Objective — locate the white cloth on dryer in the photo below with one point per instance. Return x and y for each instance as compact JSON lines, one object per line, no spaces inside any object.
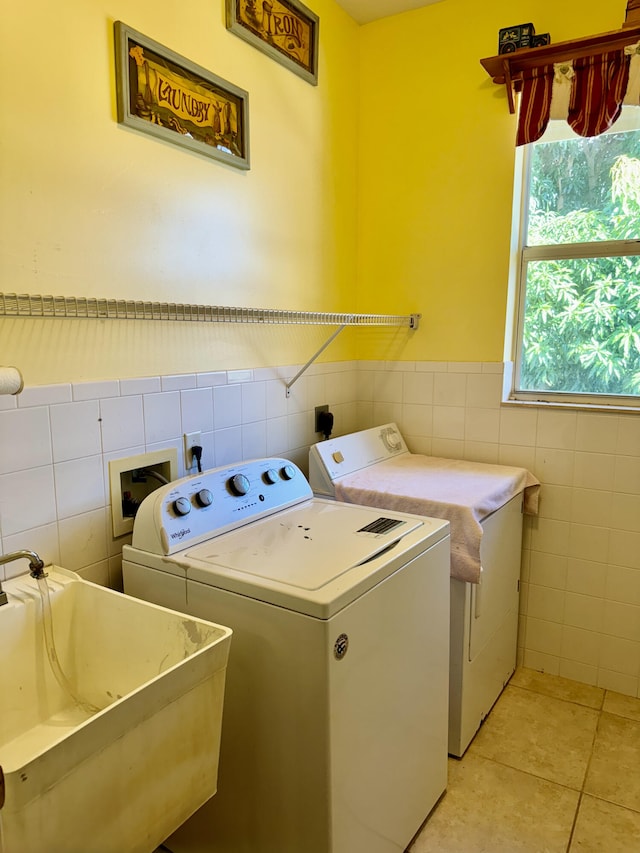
{"x":462,"y":492}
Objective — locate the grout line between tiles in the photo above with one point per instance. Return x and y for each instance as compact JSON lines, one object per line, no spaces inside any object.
{"x":529,"y":773}
{"x":586,"y":774}
{"x":533,"y":689}
{"x":575,"y":821}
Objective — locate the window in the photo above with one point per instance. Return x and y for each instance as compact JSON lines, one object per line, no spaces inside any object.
{"x":577,"y":336}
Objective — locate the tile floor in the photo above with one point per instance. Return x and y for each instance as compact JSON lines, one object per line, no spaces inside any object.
{"x":555,"y":768}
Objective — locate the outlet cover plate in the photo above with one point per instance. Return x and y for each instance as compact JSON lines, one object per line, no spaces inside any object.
{"x":190,"y":440}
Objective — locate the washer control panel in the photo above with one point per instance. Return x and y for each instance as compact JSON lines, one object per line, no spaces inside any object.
{"x":194,"y":509}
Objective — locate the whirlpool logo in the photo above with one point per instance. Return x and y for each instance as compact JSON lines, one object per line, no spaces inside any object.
{"x":180,"y":534}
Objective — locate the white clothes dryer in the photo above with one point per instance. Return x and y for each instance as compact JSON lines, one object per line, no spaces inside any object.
{"x":334,"y":737}
{"x":484,"y":503}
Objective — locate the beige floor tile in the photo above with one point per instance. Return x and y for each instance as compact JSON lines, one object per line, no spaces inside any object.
{"x":558,"y":687}
{"x":604,"y":828}
{"x":548,"y":737}
{"x":614,"y":773}
{"x":489,"y":808}
{"x":624,"y":706}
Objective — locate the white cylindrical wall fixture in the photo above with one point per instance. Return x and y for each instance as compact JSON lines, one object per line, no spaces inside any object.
{"x":11,"y":381}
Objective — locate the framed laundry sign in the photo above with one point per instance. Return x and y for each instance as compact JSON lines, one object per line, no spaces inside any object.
{"x":165,"y":95}
{"x":286,"y":30}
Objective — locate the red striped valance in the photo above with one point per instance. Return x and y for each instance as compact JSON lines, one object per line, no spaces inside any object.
{"x":597,"y":91}
{"x":535,"y":103}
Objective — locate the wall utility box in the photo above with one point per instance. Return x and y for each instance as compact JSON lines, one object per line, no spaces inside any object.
{"x":132,"y":478}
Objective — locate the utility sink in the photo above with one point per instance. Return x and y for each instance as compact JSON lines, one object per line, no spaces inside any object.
{"x":122,"y":777}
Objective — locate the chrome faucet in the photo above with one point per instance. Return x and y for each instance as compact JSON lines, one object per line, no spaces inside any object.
{"x":36,"y":567}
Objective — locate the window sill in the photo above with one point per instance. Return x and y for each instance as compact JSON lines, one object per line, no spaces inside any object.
{"x":583,"y":407}
{"x":529,"y":399}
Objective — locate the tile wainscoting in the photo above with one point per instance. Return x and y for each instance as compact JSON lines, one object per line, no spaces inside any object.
{"x":580,"y":592}
{"x":56,"y":442}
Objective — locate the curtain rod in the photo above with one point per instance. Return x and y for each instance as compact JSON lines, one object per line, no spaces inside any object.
{"x":35,"y":305}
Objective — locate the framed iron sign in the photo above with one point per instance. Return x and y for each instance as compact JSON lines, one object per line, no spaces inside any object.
{"x":286,"y":30}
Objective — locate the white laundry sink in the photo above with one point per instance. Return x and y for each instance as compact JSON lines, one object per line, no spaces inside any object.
{"x":123,"y":777}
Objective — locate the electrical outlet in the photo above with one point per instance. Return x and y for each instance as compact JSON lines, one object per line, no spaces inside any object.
{"x":191,"y":439}
{"x":318,"y":411}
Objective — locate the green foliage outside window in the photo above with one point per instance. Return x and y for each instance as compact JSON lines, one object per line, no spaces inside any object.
{"x":581,"y":330}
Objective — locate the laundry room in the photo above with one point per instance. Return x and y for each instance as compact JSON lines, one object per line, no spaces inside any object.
{"x":346,"y":243}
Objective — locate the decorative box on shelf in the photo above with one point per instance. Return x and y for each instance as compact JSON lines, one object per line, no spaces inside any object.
{"x":511,"y":39}
{"x":541,"y":39}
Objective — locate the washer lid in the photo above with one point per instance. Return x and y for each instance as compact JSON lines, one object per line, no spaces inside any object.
{"x":307,"y":546}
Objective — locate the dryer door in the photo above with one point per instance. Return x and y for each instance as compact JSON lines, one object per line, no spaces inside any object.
{"x":495,"y":599}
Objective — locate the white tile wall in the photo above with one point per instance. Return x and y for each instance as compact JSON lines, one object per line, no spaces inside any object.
{"x":227,"y":406}
{"x":56,"y":442}
{"x":25,"y":439}
{"x":580,"y":596}
{"x":27,"y":499}
{"x":121,"y":422}
{"x":75,"y":430}
{"x":580,"y":591}
{"x":179,"y":382}
{"x":197,"y":410}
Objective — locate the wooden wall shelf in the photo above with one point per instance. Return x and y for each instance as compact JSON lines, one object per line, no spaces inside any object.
{"x":506,"y":68}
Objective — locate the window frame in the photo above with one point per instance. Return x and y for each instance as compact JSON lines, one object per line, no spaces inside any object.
{"x":521,"y":256}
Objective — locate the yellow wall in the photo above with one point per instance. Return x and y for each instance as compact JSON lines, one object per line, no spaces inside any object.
{"x":387,"y":188}
{"x":436,"y":159}
{"x":90,"y":208}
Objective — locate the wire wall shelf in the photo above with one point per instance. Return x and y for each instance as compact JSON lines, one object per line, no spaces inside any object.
{"x":94,"y":308}
{"x":33,"y":305}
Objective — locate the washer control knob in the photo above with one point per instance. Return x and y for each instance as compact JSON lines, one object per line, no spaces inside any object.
{"x":204,"y":497}
{"x":182,"y":506}
{"x":239,"y":484}
{"x":270,"y":476}
{"x":288,"y":472}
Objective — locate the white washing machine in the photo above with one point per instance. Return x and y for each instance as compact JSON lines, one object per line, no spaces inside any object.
{"x":334,"y":737}
{"x":484,"y":504}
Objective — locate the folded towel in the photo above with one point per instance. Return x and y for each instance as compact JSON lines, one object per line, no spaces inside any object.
{"x":462,"y":492}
